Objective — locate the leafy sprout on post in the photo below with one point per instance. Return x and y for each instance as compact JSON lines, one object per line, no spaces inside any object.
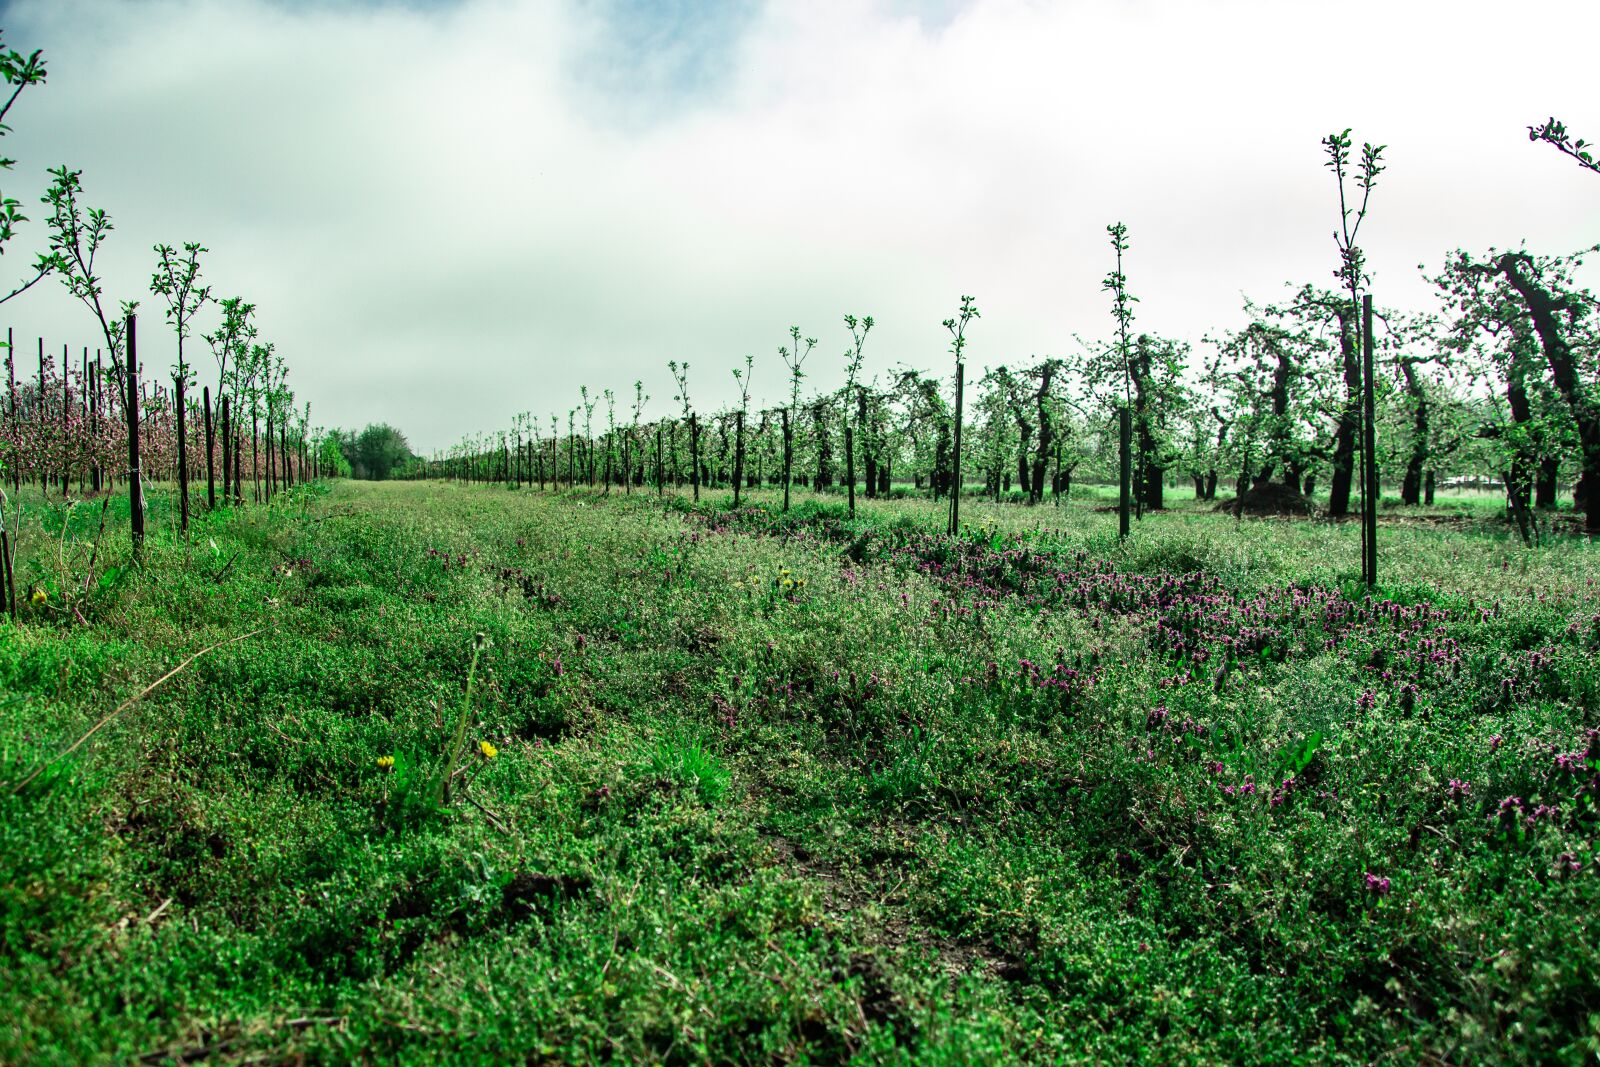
{"x":958,"y":343}
{"x":794,"y":358}
{"x":1337,"y":145}
{"x":176,"y":279}
{"x":611,"y":436}
{"x":232,"y":338}
{"x":958,"y":326}
{"x":859,"y":328}
{"x":1352,"y":272}
{"x":680,"y":377}
{"x":640,"y":399}
{"x":75,"y":239}
{"x":854,"y":397}
{"x":1116,"y":283}
{"x":743,"y":378}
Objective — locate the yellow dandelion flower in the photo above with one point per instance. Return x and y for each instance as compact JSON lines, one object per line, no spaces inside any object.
{"x":385,"y":763}
{"x":40,"y":596}
{"x":799,"y":583}
{"x":488,"y":750}
{"x":788,"y":583}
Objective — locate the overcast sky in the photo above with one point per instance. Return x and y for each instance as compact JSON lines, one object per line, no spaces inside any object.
{"x":450,"y":211}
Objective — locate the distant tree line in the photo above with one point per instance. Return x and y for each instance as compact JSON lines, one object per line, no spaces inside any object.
{"x":376,"y":453}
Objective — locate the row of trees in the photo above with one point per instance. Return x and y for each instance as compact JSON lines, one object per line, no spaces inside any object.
{"x":1493,"y":383}
{"x":99,"y":421}
{"x":1497,"y":382}
{"x":70,"y":422}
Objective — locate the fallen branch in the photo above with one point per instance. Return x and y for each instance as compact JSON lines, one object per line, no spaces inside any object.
{"x":124,"y":706}
{"x":236,"y":1030}
{"x":493,"y":818}
{"x":286,"y":737}
{"x":95,"y":552}
{"x":225,"y":568}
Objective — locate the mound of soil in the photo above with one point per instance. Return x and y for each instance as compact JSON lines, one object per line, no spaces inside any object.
{"x":1270,"y":498}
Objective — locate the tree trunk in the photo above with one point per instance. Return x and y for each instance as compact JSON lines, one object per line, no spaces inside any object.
{"x":850,"y":466}
{"x":135,"y":479}
{"x":1417,"y":460}
{"x":211,"y":483}
{"x":1046,"y":433}
{"x":1147,"y":474}
{"x":227,"y":449}
{"x":819,"y":421}
{"x":955,"y":462}
{"x":1544,"y":309}
{"x":1517,"y":500}
{"x":1124,"y":468}
{"x":1519,"y":476}
{"x":870,"y":460}
{"x":1344,"y":441}
{"x":1544,"y":484}
{"x":255,"y":460}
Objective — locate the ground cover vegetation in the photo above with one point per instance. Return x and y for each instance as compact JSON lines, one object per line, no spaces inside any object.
{"x":747,"y":786}
{"x":634,"y":739}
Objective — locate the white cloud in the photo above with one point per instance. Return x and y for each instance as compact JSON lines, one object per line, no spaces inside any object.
{"x":450,"y":214}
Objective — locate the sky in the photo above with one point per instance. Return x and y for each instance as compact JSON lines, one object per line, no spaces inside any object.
{"x":449,"y":212}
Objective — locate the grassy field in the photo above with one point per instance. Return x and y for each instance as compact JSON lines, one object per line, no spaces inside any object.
{"x":753,"y":788}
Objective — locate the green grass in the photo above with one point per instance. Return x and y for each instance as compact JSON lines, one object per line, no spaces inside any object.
{"x":780,"y":789}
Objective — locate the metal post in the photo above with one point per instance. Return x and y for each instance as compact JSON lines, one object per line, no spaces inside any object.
{"x":955,"y":473}
{"x":1125,"y":464}
{"x":135,"y":483}
{"x":850,"y":465}
{"x":1369,"y":446}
